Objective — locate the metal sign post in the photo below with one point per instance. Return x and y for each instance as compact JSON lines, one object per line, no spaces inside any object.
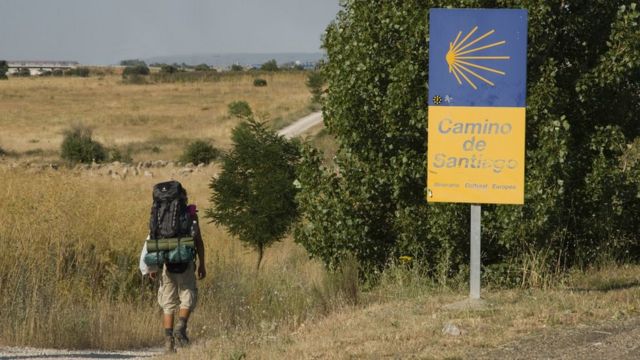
{"x":474,"y":280}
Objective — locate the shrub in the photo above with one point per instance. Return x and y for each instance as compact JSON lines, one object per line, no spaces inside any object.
{"x":168,"y":69}
{"x":135,"y":79}
{"x":57,"y":72}
{"x":315,"y":83}
{"x":254,"y":194}
{"x":202,"y":67}
{"x":4,"y":67}
{"x":120,"y":155}
{"x":199,"y":152}
{"x":237,"y":67}
{"x":259,"y":82}
{"x":135,"y":70}
{"x":270,"y":65}
{"x":133,"y":62}
{"x":240,"y":109}
{"x":78,"y":146}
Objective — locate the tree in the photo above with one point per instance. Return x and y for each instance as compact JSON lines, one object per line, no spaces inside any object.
{"x":315,"y":83}
{"x":583,"y":101}
{"x":135,"y":70}
{"x":254,"y":195}
{"x":168,"y":69}
{"x":4,"y":68}
{"x":237,"y":67}
{"x":133,"y":62}
{"x":202,"y":67}
{"x":270,"y":65}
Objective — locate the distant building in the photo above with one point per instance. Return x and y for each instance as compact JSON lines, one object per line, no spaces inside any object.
{"x":38,"y":67}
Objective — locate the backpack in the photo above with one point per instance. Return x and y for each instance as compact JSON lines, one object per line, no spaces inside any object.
{"x":169,"y":217}
{"x":170,"y":220}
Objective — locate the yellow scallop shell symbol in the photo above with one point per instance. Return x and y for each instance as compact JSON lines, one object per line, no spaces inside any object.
{"x":460,"y":58}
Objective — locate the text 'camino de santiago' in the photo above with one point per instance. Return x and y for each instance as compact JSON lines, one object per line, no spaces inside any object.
{"x":447,"y":127}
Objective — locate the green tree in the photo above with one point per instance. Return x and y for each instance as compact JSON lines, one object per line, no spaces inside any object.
{"x":4,"y":68}
{"x":133,"y":62}
{"x":315,"y":83}
{"x":202,"y":67}
{"x":237,"y":67}
{"x":168,"y":69}
{"x":135,"y":70}
{"x":254,"y":195}
{"x":371,"y":203}
{"x":270,"y":65}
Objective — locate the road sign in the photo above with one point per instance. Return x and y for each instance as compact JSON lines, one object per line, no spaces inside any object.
{"x":477,"y":99}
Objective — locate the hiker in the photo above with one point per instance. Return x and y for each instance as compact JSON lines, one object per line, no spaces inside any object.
{"x":171,"y":222}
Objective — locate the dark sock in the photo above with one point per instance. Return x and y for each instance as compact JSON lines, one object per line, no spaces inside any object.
{"x":168,"y":332}
{"x":182,"y":323}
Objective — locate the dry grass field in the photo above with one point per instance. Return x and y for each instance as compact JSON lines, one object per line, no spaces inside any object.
{"x":155,"y":120}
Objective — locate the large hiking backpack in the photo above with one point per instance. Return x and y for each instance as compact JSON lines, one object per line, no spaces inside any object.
{"x":169,"y":217}
{"x":170,"y":228}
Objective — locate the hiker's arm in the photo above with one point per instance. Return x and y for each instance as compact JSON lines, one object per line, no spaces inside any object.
{"x":197,"y":238}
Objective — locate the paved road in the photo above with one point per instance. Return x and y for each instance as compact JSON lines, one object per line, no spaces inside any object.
{"x":301,"y":125}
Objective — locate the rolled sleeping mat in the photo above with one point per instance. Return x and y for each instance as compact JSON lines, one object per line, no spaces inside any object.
{"x":157,"y":258}
{"x":168,"y":244}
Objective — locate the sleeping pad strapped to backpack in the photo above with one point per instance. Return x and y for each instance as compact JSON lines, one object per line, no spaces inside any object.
{"x":170,"y":228}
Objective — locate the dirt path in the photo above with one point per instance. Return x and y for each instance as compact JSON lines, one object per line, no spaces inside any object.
{"x":620,"y":341}
{"x":301,"y":125}
{"x":33,"y":353}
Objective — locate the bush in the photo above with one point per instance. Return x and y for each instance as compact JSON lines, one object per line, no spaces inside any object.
{"x":168,"y":69}
{"x":133,"y":62}
{"x":135,"y":79}
{"x":259,"y":82}
{"x":237,"y":67}
{"x":270,"y":65}
{"x":199,"y":152}
{"x":315,"y":83}
{"x":4,"y":67}
{"x":120,"y":155}
{"x":240,"y":109}
{"x":57,"y":72}
{"x":78,"y":146}
{"x":135,"y":70}
{"x":202,"y":67}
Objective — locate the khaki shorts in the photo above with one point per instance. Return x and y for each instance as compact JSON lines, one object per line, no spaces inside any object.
{"x":178,"y":290}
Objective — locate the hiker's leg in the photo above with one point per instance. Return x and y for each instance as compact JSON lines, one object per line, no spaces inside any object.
{"x":167,"y":321}
{"x":169,"y":301}
{"x":188,"y":298}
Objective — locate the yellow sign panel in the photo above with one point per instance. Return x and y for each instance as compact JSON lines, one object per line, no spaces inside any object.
{"x":476,"y":154}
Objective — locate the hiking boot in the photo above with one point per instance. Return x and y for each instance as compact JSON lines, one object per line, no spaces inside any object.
{"x":181,"y":337}
{"x":169,"y":345}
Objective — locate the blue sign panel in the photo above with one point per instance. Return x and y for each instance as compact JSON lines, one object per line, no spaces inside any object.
{"x":477,"y":57}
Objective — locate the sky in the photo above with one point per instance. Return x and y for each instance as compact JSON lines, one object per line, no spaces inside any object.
{"x":103,"y":32}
